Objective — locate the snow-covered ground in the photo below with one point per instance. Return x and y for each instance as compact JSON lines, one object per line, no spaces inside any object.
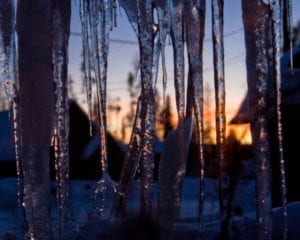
{"x":81,"y":224}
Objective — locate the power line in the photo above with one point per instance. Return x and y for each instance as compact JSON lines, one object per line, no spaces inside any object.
{"x":228,"y":34}
{"x":117,"y":89}
{"x":227,"y":61}
{"x":77,"y":34}
{"x":114,"y":40}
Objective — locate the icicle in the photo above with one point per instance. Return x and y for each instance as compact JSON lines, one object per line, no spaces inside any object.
{"x":156,"y":54}
{"x":257,"y":42}
{"x":164,"y":29}
{"x":173,"y":158}
{"x":9,"y":78}
{"x":145,"y":29}
{"x":140,"y":16}
{"x":59,"y":61}
{"x":100,"y":21}
{"x":287,"y":30}
{"x":130,"y":166}
{"x":218,"y":48}
{"x":114,"y":12}
{"x":36,"y":106}
{"x":277,"y":39}
{"x":62,"y":139}
{"x":130,"y":8}
{"x":134,"y":152}
{"x":290,"y":27}
{"x":171,"y":175}
{"x":86,"y":56}
{"x":105,"y":26}
{"x":176,"y":20}
{"x":195,"y":29}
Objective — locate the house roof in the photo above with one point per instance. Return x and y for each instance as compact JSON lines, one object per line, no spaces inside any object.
{"x":290,"y":87}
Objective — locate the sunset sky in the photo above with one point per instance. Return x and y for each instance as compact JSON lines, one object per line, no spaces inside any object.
{"x":123,"y":55}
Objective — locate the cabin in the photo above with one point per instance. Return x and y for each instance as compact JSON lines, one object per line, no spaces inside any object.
{"x":83,"y":148}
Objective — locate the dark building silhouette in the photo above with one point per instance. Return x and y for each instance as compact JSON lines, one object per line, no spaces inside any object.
{"x":83,"y":148}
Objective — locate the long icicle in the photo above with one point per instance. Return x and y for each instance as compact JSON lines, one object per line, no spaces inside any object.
{"x":291,"y":34}
{"x":100,"y":24}
{"x":287,"y":29}
{"x":61,"y":21}
{"x":219,"y":76}
{"x":164,"y":29}
{"x":277,"y":39}
{"x":36,"y":106}
{"x":84,"y":8}
{"x":195,"y":31}
{"x":257,"y":61}
{"x":177,"y":36}
{"x":134,"y":154}
{"x":145,"y":29}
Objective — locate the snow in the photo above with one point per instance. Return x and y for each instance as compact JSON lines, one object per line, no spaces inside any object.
{"x":83,"y":223}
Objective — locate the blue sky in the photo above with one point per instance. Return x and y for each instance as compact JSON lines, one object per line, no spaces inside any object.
{"x":122,"y":56}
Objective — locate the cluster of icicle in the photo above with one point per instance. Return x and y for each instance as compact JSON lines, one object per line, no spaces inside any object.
{"x":152,"y":37}
{"x":184,"y":22}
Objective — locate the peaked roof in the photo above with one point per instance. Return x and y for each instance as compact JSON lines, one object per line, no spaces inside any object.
{"x":290,"y":87}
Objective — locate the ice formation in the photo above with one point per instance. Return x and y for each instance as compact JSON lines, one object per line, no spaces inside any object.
{"x":60,"y":33}
{"x":184,"y":22}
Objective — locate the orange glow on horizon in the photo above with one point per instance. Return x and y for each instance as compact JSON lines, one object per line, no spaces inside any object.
{"x":242,"y":131}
